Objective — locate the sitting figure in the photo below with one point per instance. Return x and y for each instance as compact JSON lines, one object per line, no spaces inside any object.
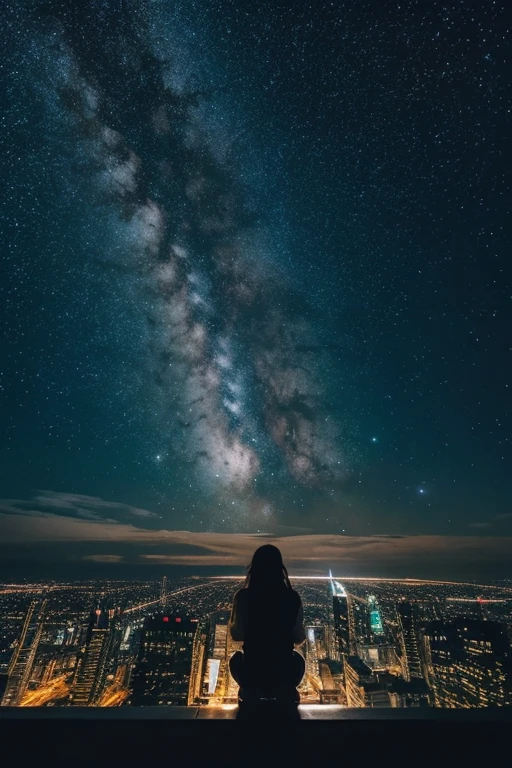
{"x":267,"y":616}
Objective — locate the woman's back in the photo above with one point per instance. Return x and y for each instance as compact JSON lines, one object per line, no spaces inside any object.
{"x":268,"y":620}
{"x":267,"y":617}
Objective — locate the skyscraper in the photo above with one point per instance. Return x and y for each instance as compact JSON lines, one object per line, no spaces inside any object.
{"x":340,"y":608}
{"x":363,"y":688}
{"x":411,"y":661}
{"x":163,"y":592}
{"x":216,"y":681}
{"x":484,"y":669}
{"x":22,"y":660}
{"x":163,"y":670}
{"x":375,"y":618}
{"x":199,"y":660}
{"x":468,"y":663}
{"x":93,"y":661}
{"x":440,"y":650}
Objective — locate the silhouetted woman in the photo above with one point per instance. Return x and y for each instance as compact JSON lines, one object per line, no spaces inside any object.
{"x":267,"y":616}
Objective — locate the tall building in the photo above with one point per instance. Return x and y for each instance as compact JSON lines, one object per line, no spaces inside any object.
{"x":330,"y":692}
{"x":363,"y":688}
{"x":440,"y":651}
{"x":469,"y":663}
{"x":199,"y":659}
{"x":375,"y":618}
{"x":359,"y":625}
{"x":340,"y":608}
{"x":414,"y":693}
{"x":483,"y":670}
{"x":331,"y":643}
{"x":163,"y":669}
{"x":409,"y":641}
{"x":312,"y":650}
{"x":93,"y":662}
{"x":163,"y":592}
{"x":379,"y":656}
{"x":216,"y":680}
{"x":22,"y":660}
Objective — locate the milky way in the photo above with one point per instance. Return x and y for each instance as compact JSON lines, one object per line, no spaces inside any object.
{"x":232,"y":363}
{"x":255,"y":267}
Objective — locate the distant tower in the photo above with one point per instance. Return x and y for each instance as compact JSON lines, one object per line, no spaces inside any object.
{"x":164,"y":666}
{"x":340,"y":607}
{"x":163,"y":591}
{"x":22,"y":660}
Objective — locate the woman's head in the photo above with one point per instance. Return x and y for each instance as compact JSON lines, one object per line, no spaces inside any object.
{"x":267,"y":569}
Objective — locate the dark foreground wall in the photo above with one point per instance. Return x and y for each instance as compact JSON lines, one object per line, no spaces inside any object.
{"x":168,"y":736}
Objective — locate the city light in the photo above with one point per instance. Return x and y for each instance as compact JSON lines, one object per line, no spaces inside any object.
{"x":395,"y":643}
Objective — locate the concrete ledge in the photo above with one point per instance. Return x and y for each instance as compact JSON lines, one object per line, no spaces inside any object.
{"x":323,"y":712}
{"x":174,"y":735}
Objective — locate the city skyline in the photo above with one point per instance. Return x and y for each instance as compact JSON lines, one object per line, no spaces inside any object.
{"x":256,"y":286}
{"x":368,"y":643}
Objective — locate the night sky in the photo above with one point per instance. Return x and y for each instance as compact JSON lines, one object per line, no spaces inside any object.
{"x":255,"y":273}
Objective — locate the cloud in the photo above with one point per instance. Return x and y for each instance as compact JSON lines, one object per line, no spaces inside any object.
{"x":76,"y":527}
{"x":73,"y":505}
{"x":499,"y":522}
{"x":310,"y":552}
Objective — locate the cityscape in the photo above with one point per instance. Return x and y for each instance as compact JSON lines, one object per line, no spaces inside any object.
{"x":372,"y":643}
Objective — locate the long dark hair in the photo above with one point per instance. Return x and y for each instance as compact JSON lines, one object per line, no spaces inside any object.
{"x":267,"y":570}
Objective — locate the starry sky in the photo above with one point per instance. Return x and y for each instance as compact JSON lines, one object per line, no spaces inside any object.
{"x":255,"y":276}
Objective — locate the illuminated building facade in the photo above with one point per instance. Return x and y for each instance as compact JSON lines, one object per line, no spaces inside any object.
{"x":216,"y":678}
{"x":369,"y":637}
{"x":330,"y":692}
{"x":340,"y":608}
{"x":409,"y":640}
{"x":359,"y":625}
{"x":379,"y":657}
{"x":363,"y":688}
{"x":93,"y":662}
{"x":375,"y":618}
{"x":331,"y":643}
{"x":199,"y":656}
{"x":163,"y":591}
{"x":483,"y":670}
{"x":440,"y":654}
{"x":469,"y":664}
{"x":22,"y":661}
{"x":163,"y":670}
